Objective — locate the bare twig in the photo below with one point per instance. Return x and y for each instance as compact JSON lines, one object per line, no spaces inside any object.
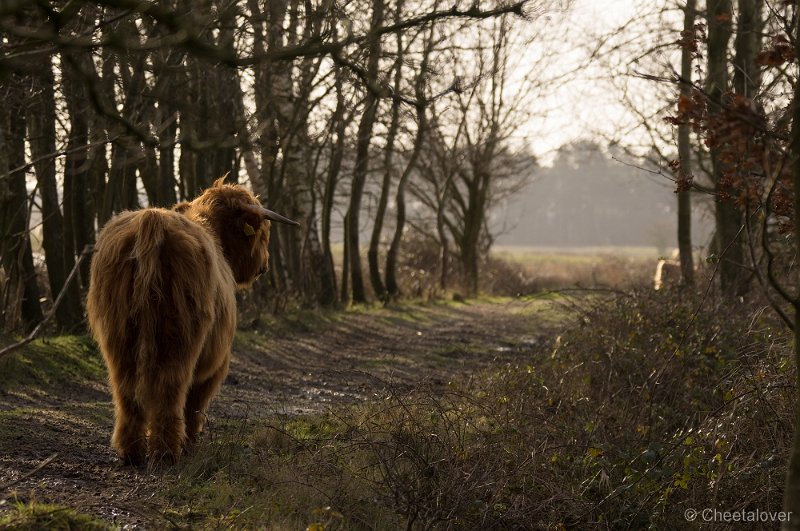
{"x":29,"y":474}
{"x":89,"y":249}
{"x":184,"y":35}
{"x":787,"y":320}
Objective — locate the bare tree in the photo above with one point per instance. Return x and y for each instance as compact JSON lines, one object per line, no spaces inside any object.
{"x":422,"y":130}
{"x":685,"y":149}
{"x":42,"y":137}
{"x":388,"y":166}
{"x":363,"y":137}
{"x":480,"y":150}
{"x":133,"y":103}
{"x":19,"y":290}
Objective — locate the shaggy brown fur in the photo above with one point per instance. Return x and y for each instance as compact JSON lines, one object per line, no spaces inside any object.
{"x":162,"y":306}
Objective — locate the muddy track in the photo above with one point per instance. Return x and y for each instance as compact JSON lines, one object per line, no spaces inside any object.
{"x":293,"y":368}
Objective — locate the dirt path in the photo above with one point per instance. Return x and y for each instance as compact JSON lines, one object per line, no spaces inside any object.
{"x":296,"y":366}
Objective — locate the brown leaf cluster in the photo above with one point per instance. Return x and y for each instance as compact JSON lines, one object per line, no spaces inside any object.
{"x":691,"y":110}
{"x":683,"y":181}
{"x":690,"y":40}
{"x":779,"y":52}
{"x":747,"y":148}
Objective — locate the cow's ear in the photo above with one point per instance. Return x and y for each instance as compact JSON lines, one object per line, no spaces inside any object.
{"x":249,"y":220}
{"x":182,"y":207}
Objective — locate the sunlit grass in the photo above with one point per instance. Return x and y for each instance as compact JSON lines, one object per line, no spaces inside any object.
{"x":524,"y":250}
{"x":38,"y":516}
{"x":45,"y":362}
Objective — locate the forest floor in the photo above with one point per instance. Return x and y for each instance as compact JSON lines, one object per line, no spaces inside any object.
{"x":55,"y":408}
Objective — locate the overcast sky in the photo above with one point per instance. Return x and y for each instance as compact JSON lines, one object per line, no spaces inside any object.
{"x":588,"y":104}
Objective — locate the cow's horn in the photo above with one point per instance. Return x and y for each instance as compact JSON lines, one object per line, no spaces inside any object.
{"x":272,"y":216}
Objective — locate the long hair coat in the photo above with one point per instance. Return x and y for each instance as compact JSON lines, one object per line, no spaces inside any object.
{"x":162,"y":307}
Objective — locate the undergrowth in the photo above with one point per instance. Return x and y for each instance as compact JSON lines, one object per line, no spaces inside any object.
{"x":654,"y":405}
{"x":664,"y":403}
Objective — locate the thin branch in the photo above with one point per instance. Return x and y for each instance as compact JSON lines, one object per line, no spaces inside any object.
{"x":757,"y":270}
{"x":89,"y":249}
{"x":29,"y":474}
{"x":185,"y":35}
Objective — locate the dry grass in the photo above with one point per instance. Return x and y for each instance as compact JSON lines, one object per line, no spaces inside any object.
{"x":655,"y":405}
{"x":514,"y":271}
{"x":526,"y":270}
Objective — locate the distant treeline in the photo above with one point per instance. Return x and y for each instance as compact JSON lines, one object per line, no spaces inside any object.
{"x":586,"y":198}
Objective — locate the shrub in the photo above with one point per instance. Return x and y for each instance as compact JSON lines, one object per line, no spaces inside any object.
{"x":665,"y":404}
{"x":656,"y":403}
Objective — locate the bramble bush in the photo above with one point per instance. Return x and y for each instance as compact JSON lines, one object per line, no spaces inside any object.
{"x":655,"y":403}
{"x":668,"y":402}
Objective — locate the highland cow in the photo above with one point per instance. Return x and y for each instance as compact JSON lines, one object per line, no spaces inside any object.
{"x":162,"y":307}
{"x":668,"y":272}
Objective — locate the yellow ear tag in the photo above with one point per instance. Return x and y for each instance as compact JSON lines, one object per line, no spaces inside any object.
{"x":248,"y":230}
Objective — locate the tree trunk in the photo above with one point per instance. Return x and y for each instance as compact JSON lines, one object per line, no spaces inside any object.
{"x":332,"y":178}
{"x":474,"y":217}
{"x":684,"y":155}
{"x":165,"y":195}
{"x":127,"y":153}
{"x":356,"y":194}
{"x":20,"y":297}
{"x":268,"y":34}
{"x":363,"y":138}
{"x":344,"y":295}
{"x":746,"y":83}
{"x":42,"y":138}
{"x":746,"y":72}
{"x":101,"y":130}
{"x":388,"y":169}
{"x":444,"y":241}
{"x":791,"y":494}
{"x":79,"y":204}
{"x":392,"y":288}
{"x":169,"y":77}
{"x":728,"y":215}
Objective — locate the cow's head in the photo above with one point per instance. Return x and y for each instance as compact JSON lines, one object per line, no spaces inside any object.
{"x":240,"y":222}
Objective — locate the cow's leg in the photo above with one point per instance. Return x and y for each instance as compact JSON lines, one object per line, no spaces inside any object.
{"x":199,"y":398}
{"x":178,"y":344}
{"x":167,"y":426}
{"x":213,"y":364}
{"x":129,"y":426}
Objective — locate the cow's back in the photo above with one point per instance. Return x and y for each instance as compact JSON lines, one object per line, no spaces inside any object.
{"x":158,"y":285}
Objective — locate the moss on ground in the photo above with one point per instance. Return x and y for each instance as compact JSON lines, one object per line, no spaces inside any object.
{"x":38,"y":516}
{"x":44,"y":362}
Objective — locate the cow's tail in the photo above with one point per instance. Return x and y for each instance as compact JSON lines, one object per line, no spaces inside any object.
{"x":147,"y":294}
